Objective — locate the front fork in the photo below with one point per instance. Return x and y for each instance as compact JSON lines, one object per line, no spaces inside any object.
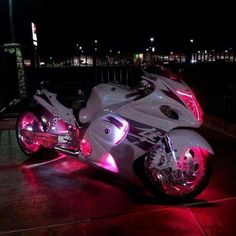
{"x":170,"y":157}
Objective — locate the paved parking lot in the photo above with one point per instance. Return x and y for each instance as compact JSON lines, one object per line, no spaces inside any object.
{"x":62,"y":196}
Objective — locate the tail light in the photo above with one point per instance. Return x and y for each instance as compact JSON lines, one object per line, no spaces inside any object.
{"x":191,"y":102}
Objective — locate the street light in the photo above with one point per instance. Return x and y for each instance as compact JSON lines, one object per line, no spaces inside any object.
{"x":152,"y":48}
{"x":95,"y":42}
{"x":79,"y":51}
{"x":13,"y":38}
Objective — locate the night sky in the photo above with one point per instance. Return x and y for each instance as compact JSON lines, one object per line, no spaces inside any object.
{"x":122,"y":25}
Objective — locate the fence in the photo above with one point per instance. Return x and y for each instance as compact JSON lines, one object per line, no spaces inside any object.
{"x":68,"y":80}
{"x":214,"y":84}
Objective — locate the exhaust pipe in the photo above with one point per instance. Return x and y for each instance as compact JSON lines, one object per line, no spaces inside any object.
{"x":66,"y":151}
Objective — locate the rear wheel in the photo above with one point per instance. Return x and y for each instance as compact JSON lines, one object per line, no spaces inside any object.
{"x":29,"y":122}
{"x":185,"y":182}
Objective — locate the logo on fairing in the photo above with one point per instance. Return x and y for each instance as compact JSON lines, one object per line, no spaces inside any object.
{"x":150,"y":135}
{"x":142,"y":135}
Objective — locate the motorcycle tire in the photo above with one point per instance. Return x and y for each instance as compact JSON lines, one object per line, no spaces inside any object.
{"x":184,"y":184}
{"x":29,"y":121}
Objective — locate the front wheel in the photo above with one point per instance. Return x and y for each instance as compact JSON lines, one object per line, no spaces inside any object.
{"x":191,"y":176}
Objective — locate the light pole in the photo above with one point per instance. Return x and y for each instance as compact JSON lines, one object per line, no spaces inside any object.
{"x":13,"y":38}
{"x":15,"y":49}
{"x":95,"y":42}
{"x":79,"y":51}
{"x":152,"y":48}
{"x":190,"y":49}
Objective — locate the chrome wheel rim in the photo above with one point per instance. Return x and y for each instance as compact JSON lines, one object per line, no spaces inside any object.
{"x":191,"y":169}
{"x":28,"y":121}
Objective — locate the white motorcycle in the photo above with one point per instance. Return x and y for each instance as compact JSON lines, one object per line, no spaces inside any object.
{"x":146,"y":133}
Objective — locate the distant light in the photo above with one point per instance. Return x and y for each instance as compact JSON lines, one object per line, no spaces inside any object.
{"x":198,"y":51}
{"x":205,"y":51}
{"x":171,"y":53}
{"x":110,"y":50}
{"x":96,"y":49}
{"x":27,"y":62}
{"x":213,"y":50}
{"x":191,"y":40}
{"x":50,"y":58}
{"x":80,"y":47}
{"x":95,"y":41}
{"x":153,"y":49}
{"x":118,"y":52}
{"x":226,"y":51}
{"x":34,"y":34}
{"x":77,"y":45}
{"x":42,"y":63}
{"x":151,"y":39}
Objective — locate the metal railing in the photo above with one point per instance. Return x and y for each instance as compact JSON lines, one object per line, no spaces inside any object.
{"x":69,"y":80}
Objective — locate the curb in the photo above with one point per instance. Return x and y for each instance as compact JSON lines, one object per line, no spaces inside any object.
{"x":8,"y":123}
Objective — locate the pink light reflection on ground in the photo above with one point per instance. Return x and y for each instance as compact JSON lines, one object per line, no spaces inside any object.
{"x":68,"y":165}
{"x":107,"y":162}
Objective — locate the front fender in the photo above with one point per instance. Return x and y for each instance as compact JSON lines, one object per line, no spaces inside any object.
{"x":182,"y":139}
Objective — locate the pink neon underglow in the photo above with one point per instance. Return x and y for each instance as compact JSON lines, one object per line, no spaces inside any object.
{"x":191,"y":102}
{"x":85,"y":147}
{"x":107,"y":162}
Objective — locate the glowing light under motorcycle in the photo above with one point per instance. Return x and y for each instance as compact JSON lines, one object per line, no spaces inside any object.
{"x":192,"y":103}
{"x":85,"y":147}
{"x":107,"y":162}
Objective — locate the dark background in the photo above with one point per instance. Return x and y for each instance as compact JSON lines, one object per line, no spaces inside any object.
{"x":127,"y":25}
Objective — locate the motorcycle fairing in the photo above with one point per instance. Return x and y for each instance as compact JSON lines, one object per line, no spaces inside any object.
{"x":104,"y":96}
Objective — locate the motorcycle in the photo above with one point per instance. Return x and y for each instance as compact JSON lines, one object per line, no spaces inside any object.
{"x":146,"y":132}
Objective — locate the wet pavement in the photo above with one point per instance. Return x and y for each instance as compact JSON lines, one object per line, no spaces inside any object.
{"x":61,"y":196}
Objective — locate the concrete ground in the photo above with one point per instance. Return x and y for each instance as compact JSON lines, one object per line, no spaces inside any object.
{"x":62,"y":196}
